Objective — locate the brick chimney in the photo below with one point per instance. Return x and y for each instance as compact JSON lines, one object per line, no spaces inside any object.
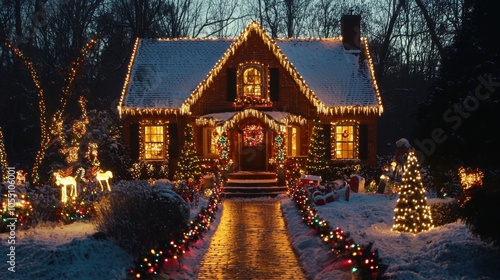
{"x":350,"y":30}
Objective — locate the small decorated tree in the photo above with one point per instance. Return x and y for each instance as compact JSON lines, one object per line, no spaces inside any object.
{"x":317,"y":160}
{"x":412,"y":214}
{"x":189,"y":164}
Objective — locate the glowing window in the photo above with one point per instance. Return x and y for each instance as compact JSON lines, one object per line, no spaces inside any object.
{"x":211,"y":137}
{"x":293,"y":141}
{"x":252,"y":83}
{"x":154,"y":142}
{"x":344,"y":142}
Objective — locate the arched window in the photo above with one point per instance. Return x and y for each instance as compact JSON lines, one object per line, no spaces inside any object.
{"x":252,"y":83}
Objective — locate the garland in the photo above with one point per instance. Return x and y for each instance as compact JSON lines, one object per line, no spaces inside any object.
{"x":360,"y":260}
{"x":150,"y":264}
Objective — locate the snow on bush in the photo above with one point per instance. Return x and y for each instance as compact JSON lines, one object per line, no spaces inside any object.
{"x":140,"y":217}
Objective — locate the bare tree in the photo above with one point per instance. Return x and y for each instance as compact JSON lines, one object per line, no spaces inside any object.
{"x":139,"y":15}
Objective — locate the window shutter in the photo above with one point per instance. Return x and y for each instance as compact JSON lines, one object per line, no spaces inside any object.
{"x":134,"y":142}
{"x":231,"y":84}
{"x":274,"y":83}
{"x":173,"y":141}
{"x":363,"y":142}
{"x":328,"y":135}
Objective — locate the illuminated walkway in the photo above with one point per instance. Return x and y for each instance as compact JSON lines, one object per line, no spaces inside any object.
{"x":250,"y":243}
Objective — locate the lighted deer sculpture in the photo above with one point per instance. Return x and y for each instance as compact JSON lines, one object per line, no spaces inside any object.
{"x":21,"y":176}
{"x":104,"y":176}
{"x":64,"y":182}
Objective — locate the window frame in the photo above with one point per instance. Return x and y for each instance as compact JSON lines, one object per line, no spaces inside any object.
{"x":207,"y":142}
{"x":353,"y":135}
{"x":144,"y":135}
{"x":264,"y":82}
{"x":289,"y":140}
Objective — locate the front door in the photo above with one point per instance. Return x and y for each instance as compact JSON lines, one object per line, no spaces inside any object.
{"x":253,"y":148}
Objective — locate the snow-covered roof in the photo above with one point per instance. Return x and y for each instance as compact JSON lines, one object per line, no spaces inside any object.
{"x":333,"y":74}
{"x":171,"y":74}
{"x":166,"y":72}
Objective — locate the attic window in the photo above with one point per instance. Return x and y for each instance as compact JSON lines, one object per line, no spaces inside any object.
{"x":253,"y":78}
{"x":252,"y":83}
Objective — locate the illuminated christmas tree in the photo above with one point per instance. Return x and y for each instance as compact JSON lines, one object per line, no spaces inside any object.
{"x":317,"y":160}
{"x":412,"y":212}
{"x":189,"y":163}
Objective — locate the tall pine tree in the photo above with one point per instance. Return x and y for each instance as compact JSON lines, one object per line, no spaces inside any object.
{"x":456,"y":119}
{"x":189,"y":163}
{"x":459,"y":120}
{"x":317,"y":158}
{"x":412,"y":212}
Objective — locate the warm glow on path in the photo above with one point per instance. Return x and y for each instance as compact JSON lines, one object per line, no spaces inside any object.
{"x":250,"y":243}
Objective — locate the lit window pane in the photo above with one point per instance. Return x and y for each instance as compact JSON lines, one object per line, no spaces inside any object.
{"x":154,"y":142}
{"x":344,"y":142}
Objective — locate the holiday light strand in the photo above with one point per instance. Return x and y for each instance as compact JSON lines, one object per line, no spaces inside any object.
{"x":66,"y":91}
{"x":4,"y":167}
{"x":41,"y":107}
{"x":151,"y":263}
{"x":412,"y":214}
{"x":271,"y":44}
{"x":360,"y":260}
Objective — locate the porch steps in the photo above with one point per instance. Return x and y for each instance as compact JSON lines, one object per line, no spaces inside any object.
{"x":252,"y":184}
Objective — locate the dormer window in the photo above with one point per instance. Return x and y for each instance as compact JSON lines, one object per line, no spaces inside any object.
{"x":252,"y":83}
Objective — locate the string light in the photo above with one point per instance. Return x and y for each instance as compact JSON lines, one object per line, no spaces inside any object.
{"x":355,"y":258}
{"x":57,"y":117}
{"x":412,"y":214}
{"x":253,"y":27}
{"x":469,"y":178}
{"x":4,"y":167}
{"x":151,"y":263}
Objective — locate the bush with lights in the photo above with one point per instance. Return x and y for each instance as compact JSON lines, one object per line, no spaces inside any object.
{"x":18,"y":209}
{"x":412,"y":212}
{"x":139,"y":216}
{"x":151,"y":263}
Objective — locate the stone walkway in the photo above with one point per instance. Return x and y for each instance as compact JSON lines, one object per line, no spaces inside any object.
{"x":250,"y":243}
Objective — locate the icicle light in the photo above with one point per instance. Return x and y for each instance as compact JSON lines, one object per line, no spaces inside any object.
{"x":185,"y":108}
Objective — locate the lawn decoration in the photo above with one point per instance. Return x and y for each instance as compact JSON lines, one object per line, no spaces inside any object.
{"x":402,"y":147}
{"x":104,"y":176}
{"x":469,"y":178}
{"x":63,"y":182}
{"x":412,"y":214}
{"x":21,"y":177}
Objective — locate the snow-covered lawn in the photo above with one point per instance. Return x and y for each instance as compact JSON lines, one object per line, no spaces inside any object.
{"x":447,"y":252}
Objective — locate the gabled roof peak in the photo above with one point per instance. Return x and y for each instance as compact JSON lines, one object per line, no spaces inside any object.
{"x":330,"y":77}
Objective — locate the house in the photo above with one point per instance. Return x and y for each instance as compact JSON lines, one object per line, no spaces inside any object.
{"x":253,"y":100}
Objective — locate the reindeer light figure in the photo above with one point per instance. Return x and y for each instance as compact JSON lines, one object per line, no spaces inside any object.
{"x":64,"y":182}
{"x":21,"y":177}
{"x":104,"y":176}
{"x":469,"y":178}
